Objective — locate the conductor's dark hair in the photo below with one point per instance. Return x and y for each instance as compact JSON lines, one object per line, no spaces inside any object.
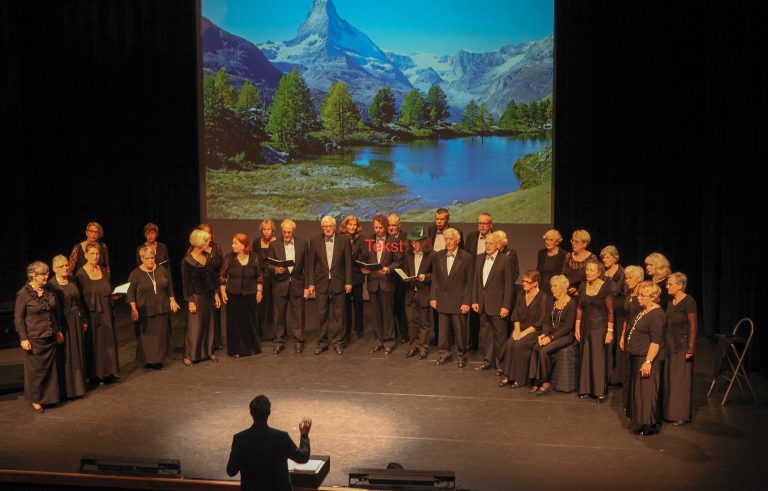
{"x":260,"y":408}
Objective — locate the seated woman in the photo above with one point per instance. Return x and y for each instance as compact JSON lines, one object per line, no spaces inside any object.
{"x":645,"y":344}
{"x":528,"y":318}
{"x":556,"y":334}
{"x":35,"y":318}
{"x":681,"y":339}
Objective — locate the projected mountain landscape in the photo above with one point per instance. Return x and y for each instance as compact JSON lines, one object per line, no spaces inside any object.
{"x":330,"y":122}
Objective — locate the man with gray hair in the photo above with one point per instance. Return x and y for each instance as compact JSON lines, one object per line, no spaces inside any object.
{"x":330,"y":279}
{"x":450,"y":296}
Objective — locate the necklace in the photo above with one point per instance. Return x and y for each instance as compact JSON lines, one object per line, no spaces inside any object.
{"x":152,"y":278}
{"x":634,"y":323}
{"x":556,"y":323}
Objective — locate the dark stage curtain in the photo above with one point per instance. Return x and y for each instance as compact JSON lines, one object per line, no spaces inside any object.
{"x":660,"y":121}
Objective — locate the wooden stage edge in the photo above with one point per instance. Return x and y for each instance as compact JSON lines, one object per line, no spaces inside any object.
{"x":125,"y":482}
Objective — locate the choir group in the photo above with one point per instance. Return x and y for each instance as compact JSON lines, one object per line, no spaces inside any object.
{"x":634,"y":328}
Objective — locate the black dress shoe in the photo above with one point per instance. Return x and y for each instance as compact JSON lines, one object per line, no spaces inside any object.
{"x":321,"y":349}
{"x":640,"y":429}
{"x":462,"y":363}
{"x":410,"y":353}
{"x":484,"y":366}
{"x":338,"y":350}
{"x":422,"y":356}
{"x":601,"y":399}
{"x":376,"y":349}
{"x":443,"y":361}
{"x":388,"y":350}
{"x":649,"y":430}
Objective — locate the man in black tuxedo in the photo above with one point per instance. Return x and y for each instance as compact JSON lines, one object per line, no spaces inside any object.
{"x":492,"y":290}
{"x":394,"y":232}
{"x":381,"y":289}
{"x":450,"y":295}
{"x":330,"y":263}
{"x":290,"y":286}
{"x":260,"y":454}
{"x":475,"y":245}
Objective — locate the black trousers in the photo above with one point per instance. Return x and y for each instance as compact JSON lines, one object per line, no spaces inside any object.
{"x":382,"y":317}
{"x":418,"y":326}
{"x":353,"y":316}
{"x":289,"y":314}
{"x":493,"y":334}
{"x":330,"y":310}
{"x":456,"y":325}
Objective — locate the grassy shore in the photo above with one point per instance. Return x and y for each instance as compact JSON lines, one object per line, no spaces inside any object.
{"x":531,"y":205}
{"x":297,"y":190}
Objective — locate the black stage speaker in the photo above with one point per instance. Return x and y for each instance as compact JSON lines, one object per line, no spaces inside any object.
{"x":122,"y":466}
{"x":311,"y":474}
{"x":401,"y":479}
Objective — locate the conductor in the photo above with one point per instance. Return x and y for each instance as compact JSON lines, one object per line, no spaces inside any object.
{"x":260,"y":453}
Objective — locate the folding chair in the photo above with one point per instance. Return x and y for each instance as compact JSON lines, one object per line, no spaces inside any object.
{"x":733,"y":348}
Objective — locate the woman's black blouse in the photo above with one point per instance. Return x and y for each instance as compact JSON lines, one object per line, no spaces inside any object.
{"x":239,"y":279}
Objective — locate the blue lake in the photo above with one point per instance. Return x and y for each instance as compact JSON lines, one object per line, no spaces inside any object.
{"x":443,"y":171}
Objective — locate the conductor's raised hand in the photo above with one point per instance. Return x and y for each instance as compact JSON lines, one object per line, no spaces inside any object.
{"x":305,"y":425}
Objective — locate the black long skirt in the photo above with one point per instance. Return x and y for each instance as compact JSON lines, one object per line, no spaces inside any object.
{"x":41,"y":382}
{"x":593,"y":370}
{"x":242,"y":325}
{"x":152,"y":335}
{"x":517,"y":357}
{"x":644,"y":407}
{"x":265,"y":311}
{"x":678,"y":383}
{"x":198,"y":344}
{"x":104,"y":343}
{"x":73,"y":359}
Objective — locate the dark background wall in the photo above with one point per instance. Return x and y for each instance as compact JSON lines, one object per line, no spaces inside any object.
{"x":660,"y":127}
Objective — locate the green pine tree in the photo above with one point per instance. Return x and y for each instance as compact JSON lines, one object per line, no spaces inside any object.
{"x":412,"y":110}
{"x":437,"y":105}
{"x":469,"y":119}
{"x":339,"y":114}
{"x":509,"y":118}
{"x":248,"y":98}
{"x":291,"y":115}
{"x":223,"y":88}
{"x":484,"y":120}
{"x":382,"y":109}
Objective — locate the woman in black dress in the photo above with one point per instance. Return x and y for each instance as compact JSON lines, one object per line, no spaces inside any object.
{"x":657,"y":269}
{"x":93,"y":234}
{"x":241,"y":292}
{"x":550,"y":260}
{"x":35,"y":319}
{"x":354,"y":301}
{"x":614,"y":276}
{"x":200,"y":282}
{"x":594,"y":330}
{"x":151,"y":231}
{"x":150,"y":295}
{"x":645,"y":344}
{"x":528,"y":319}
{"x":261,"y":246}
{"x":97,"y":293}
{"x":216,"y":258}
{"x":681,"y":339}
{"x":72,"y":319}
{"x":556,"y":334}
{"x":574,"y":262}
{"x":633,"y":275}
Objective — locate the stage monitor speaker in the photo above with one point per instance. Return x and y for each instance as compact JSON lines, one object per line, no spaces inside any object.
{"x":401,"y":479}
{"x":122,"y":466}
{"x":311,"y":474}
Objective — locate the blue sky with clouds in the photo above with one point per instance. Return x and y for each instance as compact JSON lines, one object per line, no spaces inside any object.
{"x":405,"y":26}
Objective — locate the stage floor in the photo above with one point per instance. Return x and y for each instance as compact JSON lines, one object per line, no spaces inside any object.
{"x":369,"y":410}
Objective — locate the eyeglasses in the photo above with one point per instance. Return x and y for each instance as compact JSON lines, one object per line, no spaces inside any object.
{"x":483,"y":223}
{"x":576,"y":241}
{"x":528,"y":281}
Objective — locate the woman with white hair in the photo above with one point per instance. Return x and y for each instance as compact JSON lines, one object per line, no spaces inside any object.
{"x":35,"y":319}
{"x":73,"y":322}
{"x":556,"y":334}
{"x":681,"y":339}
{"x":657,"y":269}
{"x":200,"y":283}
{"x":645,"y":344}
{"x":549,"y":261}
{"x":633,"y":275}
